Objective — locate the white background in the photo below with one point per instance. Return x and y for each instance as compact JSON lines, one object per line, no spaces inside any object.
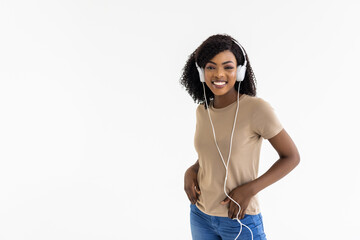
{"x":96,"y":132}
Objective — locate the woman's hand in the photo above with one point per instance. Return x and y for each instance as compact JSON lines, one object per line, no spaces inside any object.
{"x":242,"y":195}
{"x":191,"y":186}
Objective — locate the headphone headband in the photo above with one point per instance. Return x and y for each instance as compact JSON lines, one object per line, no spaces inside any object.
{"x":241,"y":69}
{"x":243,"y":51}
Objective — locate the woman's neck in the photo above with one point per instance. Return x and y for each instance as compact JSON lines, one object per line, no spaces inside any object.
{"x":225,"y":100}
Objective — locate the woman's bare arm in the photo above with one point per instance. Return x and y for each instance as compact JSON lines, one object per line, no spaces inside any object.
{"x":289,"y":159}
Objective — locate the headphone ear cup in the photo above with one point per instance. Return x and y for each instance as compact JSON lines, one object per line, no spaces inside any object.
{"x":240,"y":73}
{"x":201,"y":73}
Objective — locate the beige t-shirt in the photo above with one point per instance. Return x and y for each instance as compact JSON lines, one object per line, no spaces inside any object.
{"x":256,"y":120}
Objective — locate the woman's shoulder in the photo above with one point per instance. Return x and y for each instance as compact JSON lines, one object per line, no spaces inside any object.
{"x":256,"y":102}
{"x":200,"y":107}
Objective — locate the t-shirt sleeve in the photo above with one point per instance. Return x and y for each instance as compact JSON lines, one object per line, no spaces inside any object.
{"x":265,"y":121}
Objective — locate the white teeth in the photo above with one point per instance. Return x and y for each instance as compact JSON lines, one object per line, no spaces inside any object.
{"x":219,"y":83}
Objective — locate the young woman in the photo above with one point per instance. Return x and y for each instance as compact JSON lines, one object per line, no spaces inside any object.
{"x":231,"y":123}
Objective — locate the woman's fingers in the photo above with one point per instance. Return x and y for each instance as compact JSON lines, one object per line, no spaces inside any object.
{"x":197,"y":189}
{"x":191,"y":186}
{"x":233,"y":210}
{"x":188,"y":196}
{"x":192,"y":195}
{"x":191,"y":199}
{"x":242,"y":214}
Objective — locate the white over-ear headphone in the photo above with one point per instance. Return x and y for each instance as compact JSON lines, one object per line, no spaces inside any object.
{"x":240,"y":75}
{"x":240,"y":72}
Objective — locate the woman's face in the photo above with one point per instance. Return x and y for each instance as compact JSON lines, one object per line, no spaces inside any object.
{"x":220,"y":73}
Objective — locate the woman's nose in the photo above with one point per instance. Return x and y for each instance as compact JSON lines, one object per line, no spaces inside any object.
{"x":219,"y":73}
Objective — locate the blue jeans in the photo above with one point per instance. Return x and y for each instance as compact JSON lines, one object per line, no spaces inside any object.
{"x":207,"y":227}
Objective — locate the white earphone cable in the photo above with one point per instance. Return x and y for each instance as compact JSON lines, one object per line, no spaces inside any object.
{"x":227,"y":164}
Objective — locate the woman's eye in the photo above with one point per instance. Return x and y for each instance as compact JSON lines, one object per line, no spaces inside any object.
{"x":210,"y":67}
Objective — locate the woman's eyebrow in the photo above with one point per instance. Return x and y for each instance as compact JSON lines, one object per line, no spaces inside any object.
{"x":222,"y":63}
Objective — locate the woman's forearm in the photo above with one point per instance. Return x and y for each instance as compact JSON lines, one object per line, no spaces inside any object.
{"x":277,"y":171}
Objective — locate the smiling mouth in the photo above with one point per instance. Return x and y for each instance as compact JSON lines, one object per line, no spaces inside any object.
{"x":219,"y":84}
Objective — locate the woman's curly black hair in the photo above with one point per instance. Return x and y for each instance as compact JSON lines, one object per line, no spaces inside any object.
{"x":206,"y":51}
